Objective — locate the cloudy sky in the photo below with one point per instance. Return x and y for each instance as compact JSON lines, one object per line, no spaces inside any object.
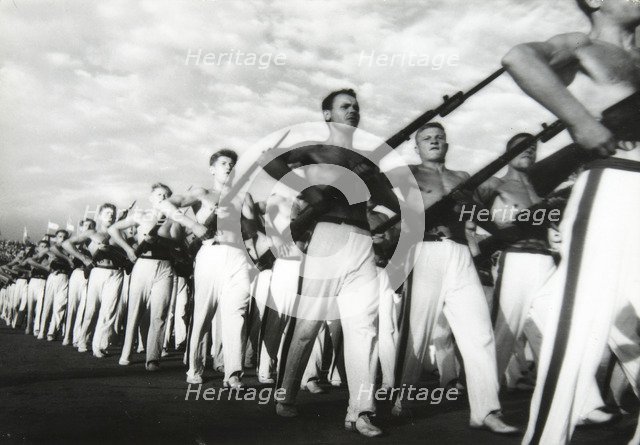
{"x":101,"y":99}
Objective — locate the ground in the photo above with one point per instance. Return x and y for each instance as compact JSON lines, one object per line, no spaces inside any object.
{"x":52,"y":394}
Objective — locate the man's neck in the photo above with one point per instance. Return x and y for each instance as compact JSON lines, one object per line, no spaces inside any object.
{"x":605,"y":29}
{"x":434,"y":165}
{"x":340,"y":137}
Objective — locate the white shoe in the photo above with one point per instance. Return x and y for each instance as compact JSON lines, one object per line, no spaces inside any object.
{"x":124,"y":362}
{"x":233,"y":382}
{"x":195,"y":379}
{"x":363,"y":426}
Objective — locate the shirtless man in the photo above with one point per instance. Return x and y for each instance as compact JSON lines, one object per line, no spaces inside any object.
{"x":56,"y":289}
{"x":444,"y":280}
{"x":77,"y":291}
{"x":342,"y":234}
{"x":597,"y":275}
{"x":151,"y":278}
{"x":221,"y":275}
{"x":105,"y":282}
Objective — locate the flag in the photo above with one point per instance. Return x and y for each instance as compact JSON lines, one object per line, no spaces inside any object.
{"x":52,"y":226}
{"x":25,"y":235}
{"x":70,"y":226}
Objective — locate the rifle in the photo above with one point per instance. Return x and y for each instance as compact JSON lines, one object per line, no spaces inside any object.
{"x":548,"y":174}
{"x":621,"y":119}
{"x":449,"y":104}
{"x":444,"y":209}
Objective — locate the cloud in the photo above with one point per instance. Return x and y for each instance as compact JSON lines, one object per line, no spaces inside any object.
{"x":100,"y":99}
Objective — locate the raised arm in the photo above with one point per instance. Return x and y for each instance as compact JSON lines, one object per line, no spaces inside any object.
{"x":170,"y":208}
{"x":70,"y":244}
{"x":543,"y":70}
{"x":115,"y":232}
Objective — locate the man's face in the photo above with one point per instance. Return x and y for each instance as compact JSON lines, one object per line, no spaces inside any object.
{"x":130,"y":232}
{"x":525,"y":159}
{"x":60,"y":237}
{"x":222,"y":167}
{"x":107,"y":216}
{"x":345,"y":110}
{"x":432,"y":144}
{"x":158,"y":195}
{"x":86,"y":225}
{"x":42,"y":247}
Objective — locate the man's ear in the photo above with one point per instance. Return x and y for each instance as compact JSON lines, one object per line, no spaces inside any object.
{"x":327,"y":115}
{"x":212,"y":170}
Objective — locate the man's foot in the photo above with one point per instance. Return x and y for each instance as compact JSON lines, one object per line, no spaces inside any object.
{"x":27,"y":331}
{"x":65,"y":342}
{"x":124,"y":362}
{"x":40,"y":337}
{"x":494,"y":423}
{"x":99,"y":354}
{"x":153,"y":366}
{"x":164,"y":353}
{"x":313,"y":387}
{"x":82,"y":349}
{"x":50,"y":337}
{"x":219,"y":368}
{"x":363,"y":426}
{"x":336,"y":383}
{"x":194,"y":379}
{"x":597,"y":417}
{"x":266,"y":380}
{"x":233,"y":382}
{"x":401,"y":411}
{"x":286,"y":410}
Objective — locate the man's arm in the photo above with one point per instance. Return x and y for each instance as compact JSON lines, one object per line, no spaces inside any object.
{"x":534,"y":67}
{"x":69,"y":245}
{"x":33,"y":261}
{"x":115,"y":232}
{"x":171,"y":210}
{"x":486,"y":192}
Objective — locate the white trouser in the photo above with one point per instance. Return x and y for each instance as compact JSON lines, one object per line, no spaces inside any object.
{"x":21,"y":301}
{"x":178,"y":317}
{"x":595,"y":299}
{"x":103,"y":291}
{"x":388,"y":329}
{"x":39,"y":303}
{"x":516,"y":299}
{"x":444,"y":280}
{"x":123,"y":306}
{"x":344,"y":255}
{"x":221,"y":278}
{"x":35,"y":293}
{"x":150,"y":287}
{"x":55,"y":304}
{"x":77,"y":297}
{"x":275,"y":293}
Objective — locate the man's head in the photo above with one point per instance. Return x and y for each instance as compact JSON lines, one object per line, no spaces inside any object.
{"x":61,"y":236}
{"x":431,"y":141}
{"x":87,"y":224}
{"x":624,"y":12}
{"x":221,"y":163}
{"x":341,"y":107}
{"x":159,"y":192}
{"x":43,"y":245}
{"x":528,"y":157}
{"x":107,"y":214}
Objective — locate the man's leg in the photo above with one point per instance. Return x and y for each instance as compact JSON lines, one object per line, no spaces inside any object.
{"x":181,"y":316}
{"x":159,"y":300}
{"x":138,"y":282}
{"x":73,"y":299}
{"x":46,"y":310}
{"x":105,"y":327}
{"x":82,"y":303}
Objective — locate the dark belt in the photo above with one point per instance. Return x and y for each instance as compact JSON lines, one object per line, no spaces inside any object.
{"x":108,"y":267}
{"x":159,"y":257}
{"x":350,"y":222}
{"x":430,"y":237}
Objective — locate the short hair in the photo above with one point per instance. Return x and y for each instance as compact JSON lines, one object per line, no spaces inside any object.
{"x":66,"y":233}
{"x":92,"y":223}
{"x":327,"y":102}
{"x":44,"y":241}
{"x":518,"y":138}
{"x":160,"y":185}
{"x":107,"y":205}
{"x":585,"y":7}
{"x":430,"y":125}
{"x":224,"y":152}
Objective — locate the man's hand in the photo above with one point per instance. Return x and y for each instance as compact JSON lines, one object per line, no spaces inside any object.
{"x":628,"y":145}
{"x":131,"y":254}
{"x":594,"y":136}
{"x":199,"y":230}
{"x":88,"y":261}
{"x":222,"y":212}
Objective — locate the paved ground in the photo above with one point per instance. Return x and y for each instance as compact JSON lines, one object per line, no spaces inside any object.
{"x":53,"y":394}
